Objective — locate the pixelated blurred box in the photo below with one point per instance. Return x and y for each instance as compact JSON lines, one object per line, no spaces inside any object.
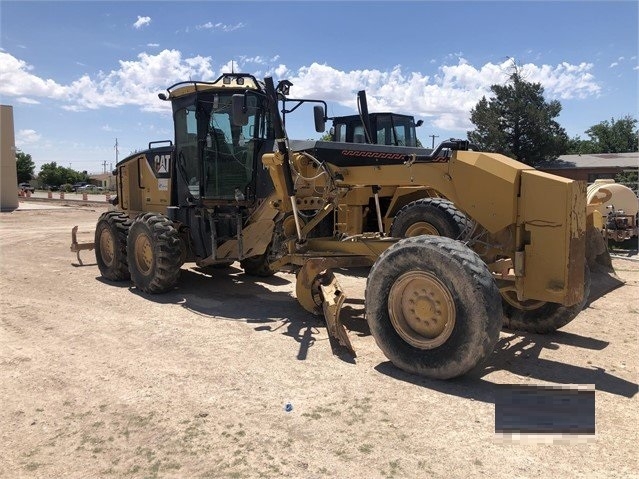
{"x":555,"y":410}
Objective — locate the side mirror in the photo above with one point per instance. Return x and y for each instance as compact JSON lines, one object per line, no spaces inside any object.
{"x":239,"y":112}
{"x":419,"y":123}
{"x":320,"y":119}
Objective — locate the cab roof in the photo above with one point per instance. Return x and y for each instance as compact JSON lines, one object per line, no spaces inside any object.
{"x":237,"y":81}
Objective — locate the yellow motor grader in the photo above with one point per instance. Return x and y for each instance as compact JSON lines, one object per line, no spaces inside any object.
{"x":232,"y":187}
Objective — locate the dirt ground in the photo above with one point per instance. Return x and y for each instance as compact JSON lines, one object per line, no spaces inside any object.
{"x":99,"y":380}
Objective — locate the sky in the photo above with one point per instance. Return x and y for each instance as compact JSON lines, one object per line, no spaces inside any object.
{"x":81,"y":74}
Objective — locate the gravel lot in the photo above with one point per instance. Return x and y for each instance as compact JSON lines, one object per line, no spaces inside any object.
{"x":99,"y":380}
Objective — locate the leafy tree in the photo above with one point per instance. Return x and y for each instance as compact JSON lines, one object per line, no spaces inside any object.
{"x":628,"y":178}
{"x":25,"y":166}
{"x":518,"y":122}
{"x":616,"y":136}
{"x":54,"y":175}
{"x":577,"y":146}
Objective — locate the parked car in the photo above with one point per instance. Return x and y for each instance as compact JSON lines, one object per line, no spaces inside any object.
{"x":90,"y":189}
{"x":26,"y":187}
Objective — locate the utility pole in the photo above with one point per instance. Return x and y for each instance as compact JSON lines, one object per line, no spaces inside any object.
{"x":433,"y":137}
{"x":116,"y":150}
{"x":104,"y":166}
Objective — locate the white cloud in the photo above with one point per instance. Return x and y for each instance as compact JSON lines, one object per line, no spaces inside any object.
{"x":27,"y":101}
{"x":26,"y":137}
{"x":564,"y":81}
{"x":141,"y":22}
{"x":16,"y":79}
{"x":153,"y":45}
{"x":446,"y":98}
{"x":219,"y":26}
{"x":613,"y":64}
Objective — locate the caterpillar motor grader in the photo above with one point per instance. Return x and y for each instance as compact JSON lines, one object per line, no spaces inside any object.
{"x":232,"y":187}
{"x":394,"y":210}
{"x":398,"y":211}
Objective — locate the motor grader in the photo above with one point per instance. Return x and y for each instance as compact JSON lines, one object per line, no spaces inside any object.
{"x":398,"y":211}
{"x":393,"y":210}
{"x":232,"y":187}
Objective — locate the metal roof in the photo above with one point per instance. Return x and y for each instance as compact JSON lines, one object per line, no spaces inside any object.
{"x":600,"y":160}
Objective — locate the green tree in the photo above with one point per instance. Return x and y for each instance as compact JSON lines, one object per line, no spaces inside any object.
{"x":616,"y":136}
{"x":54,"y":175}
{"x":518,"y":122}
{"x":577,"y":146}
{"x":628,"y":178}
{"x":25,"y":166}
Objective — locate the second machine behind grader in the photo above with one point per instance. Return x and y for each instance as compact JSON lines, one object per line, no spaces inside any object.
{"x":232,"y":187}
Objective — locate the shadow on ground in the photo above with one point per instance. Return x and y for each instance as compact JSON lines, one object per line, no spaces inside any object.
{"x":229,"y":294}
{"x":519,"y":354}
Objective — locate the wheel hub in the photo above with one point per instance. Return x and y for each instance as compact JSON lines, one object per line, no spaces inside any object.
{"x":143,"y":254}
{"x":107,"y":248}
{"x":509,"y":294}
{"x":421,"y":309}
{"x":421,"y":228}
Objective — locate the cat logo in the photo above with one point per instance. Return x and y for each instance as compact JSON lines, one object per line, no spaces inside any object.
{"x":162,"y":163}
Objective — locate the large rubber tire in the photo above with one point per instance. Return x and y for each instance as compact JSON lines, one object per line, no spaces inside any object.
{"x":257,"y":266}
{"x":154,"y":253}
{"x":110,"y":245}
{"x":433,"y":216}
{"x":433,"y":306}
{"x":544,"y":317}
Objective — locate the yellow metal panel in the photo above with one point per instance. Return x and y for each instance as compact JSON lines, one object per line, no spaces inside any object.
{"x":486,"y":187}
{"x":156,"y":191}
{"x":553,"y":213}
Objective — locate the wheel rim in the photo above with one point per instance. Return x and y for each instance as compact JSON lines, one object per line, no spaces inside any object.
{"x":143,"y":254}
{"x":107,"y":247}
{"x":421,"y":309}
{"x":421,"y":228}
{"x":509,"y":294}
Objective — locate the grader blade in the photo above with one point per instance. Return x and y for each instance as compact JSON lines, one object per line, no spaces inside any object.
{"x":333,"y":299}
{"x":604,"y":279}
{"x":77,"y":247}
{"x":318,"y":291}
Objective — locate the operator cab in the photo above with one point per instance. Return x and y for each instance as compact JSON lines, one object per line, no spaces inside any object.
{"x":216,"y":159}
{"x":387,"y":129}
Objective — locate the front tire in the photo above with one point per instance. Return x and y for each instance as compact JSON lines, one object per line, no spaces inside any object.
{"x":433,"y":307}
{"x":154,"y":252}
{"x":429,"y":216}
{"x":110,"y":245}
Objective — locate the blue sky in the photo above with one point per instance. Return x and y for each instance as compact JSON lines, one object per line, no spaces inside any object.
{"x":81,"y":74}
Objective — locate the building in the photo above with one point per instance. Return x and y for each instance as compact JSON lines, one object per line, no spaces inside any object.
{"x":105,"y":180}
{"x":591,"y":167}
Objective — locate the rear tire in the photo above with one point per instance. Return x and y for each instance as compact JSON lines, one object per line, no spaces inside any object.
{"x":543,"y":317}
{"x":433,"y":307}
{"x":154,"y":254}
{"x":110,"y":245}
{"x":429,"y":216}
